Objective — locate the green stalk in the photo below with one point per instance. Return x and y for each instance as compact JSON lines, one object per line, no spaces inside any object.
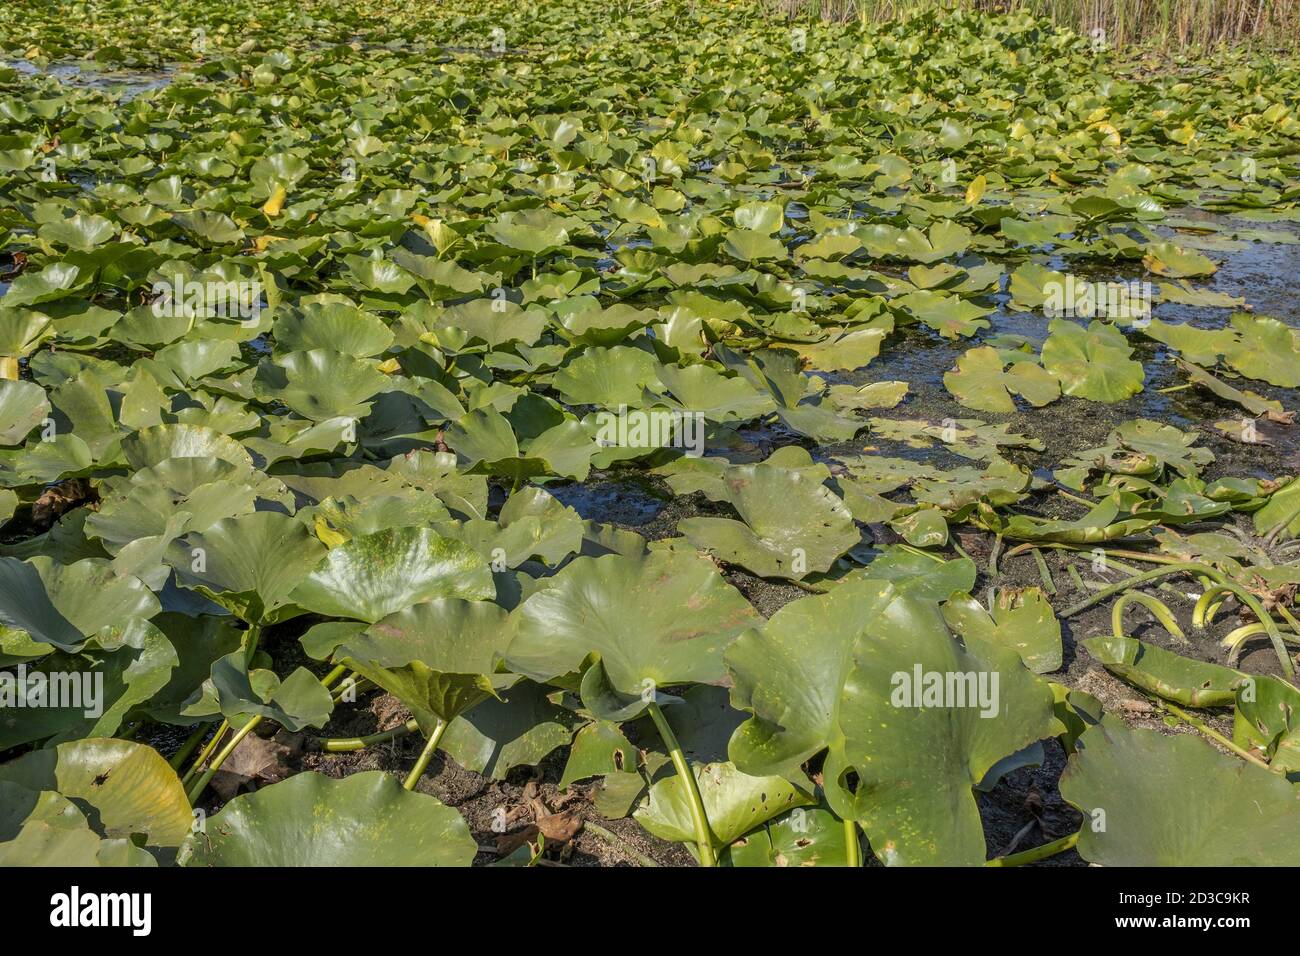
{"x":1277,"y":529}
{"x":425,"y":756}
{"x":993,"y":572}
{"x":206,"y":752}
{"x":853,"y":849}
{"x":1073,"y":572}
{"x":1144,"y":578}
{"x":346,"y":744}
{"x":197,"y":790}
{"x":1158,"y":608}
{"x":1210,"y":732}
{"x":187,"y":748}
{"x":700,"y":820}
{"x":1044,"y":572}
{"x":1037,"y":853}
{"x":358,"y":685}
{"x":1270,"y":626}
{"x":1234,"y":640}
{"x":251,"y":638}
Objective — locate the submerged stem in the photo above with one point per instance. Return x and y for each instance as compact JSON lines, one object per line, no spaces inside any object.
{"x":1037,"y":853}
{"x":699,"y":820}
{"x":426,"y":755}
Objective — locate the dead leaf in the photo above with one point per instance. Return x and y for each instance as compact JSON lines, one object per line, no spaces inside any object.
{"x":59,"y":499}
{"x":257,"y":761}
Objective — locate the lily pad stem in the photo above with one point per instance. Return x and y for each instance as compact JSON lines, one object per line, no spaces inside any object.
{"x":1111,"y":590}
{"x":700,"y":821}
{"x":1037,"y":853}
{"x":187,"y":748}
{"x":206,"y":752}
{"x":1210,"y":732}
{"x":1158,"y":609}
{"x":336,"y":745}
{"x":852,"y":848}
{"x":426,"y":755}
{"x":1044,"y":572}
{"x":197,"y":790}
{"x":251,"y":638}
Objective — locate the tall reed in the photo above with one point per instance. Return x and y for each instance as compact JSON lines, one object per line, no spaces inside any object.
{"x":1165,"y":23}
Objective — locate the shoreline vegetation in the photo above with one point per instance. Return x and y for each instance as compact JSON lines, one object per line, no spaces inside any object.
{"x":1172,"y":25}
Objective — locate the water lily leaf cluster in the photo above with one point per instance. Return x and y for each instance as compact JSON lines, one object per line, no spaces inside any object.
{"x":599,"y":393}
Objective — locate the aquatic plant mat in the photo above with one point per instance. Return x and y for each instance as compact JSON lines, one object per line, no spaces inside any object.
{"x":521,"y":434}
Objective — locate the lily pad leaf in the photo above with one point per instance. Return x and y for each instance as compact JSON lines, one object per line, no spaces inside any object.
{"x":438,"y":658}
{"x":629,"y":610}
{"x":598,"y":749}
{"x":1243,"y":814}
{"x":983,"y":382}
{"x":803,"y":836}
{"x":129,"y":784}
{"x":1181,"y":679}
{"x":364,"y":819}
{"x":1021,"y":620}
{"x":920,"y":707}
{"x":249,"y":564}
{"x":791,"y":524}
{"x":1094,"y":363}
{"x":378,"y":574}
{"x":106,"y":686}
{"x":23,"y":406}
{"x":299,"y":701}
{"x":518,"y":729}
{"x":734,"y":804}
{"x":790,"y":675}
{"x":1268,"y":719}
{"x":63,"y":604}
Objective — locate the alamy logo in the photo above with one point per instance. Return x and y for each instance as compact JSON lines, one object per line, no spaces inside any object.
{"x":1076,"y":298}
{"x":233,"y":299}
{"x":61,"y":690}
{"x":74,"y":909}
{"x":655,"y":428}
{"x":920,"y":688}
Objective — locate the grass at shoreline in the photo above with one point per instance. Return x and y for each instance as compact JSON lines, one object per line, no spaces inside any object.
{"x":1161,"y":23}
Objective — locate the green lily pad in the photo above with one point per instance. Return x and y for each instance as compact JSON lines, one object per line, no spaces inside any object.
{"x":734,"y":804}
{"x":1120,"y":779}
{"x":365,"y":819}
{"x":628,"y":609}
{"x":791,"y":524}
{"x":439,"y":658}
{"x":373,"y":576}
{"x":130,"y":786}
{"x":1094,"y":363}
{"x":248,"y":564}
{"x":1021,"y":620}
{"x":1181,"y":679}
